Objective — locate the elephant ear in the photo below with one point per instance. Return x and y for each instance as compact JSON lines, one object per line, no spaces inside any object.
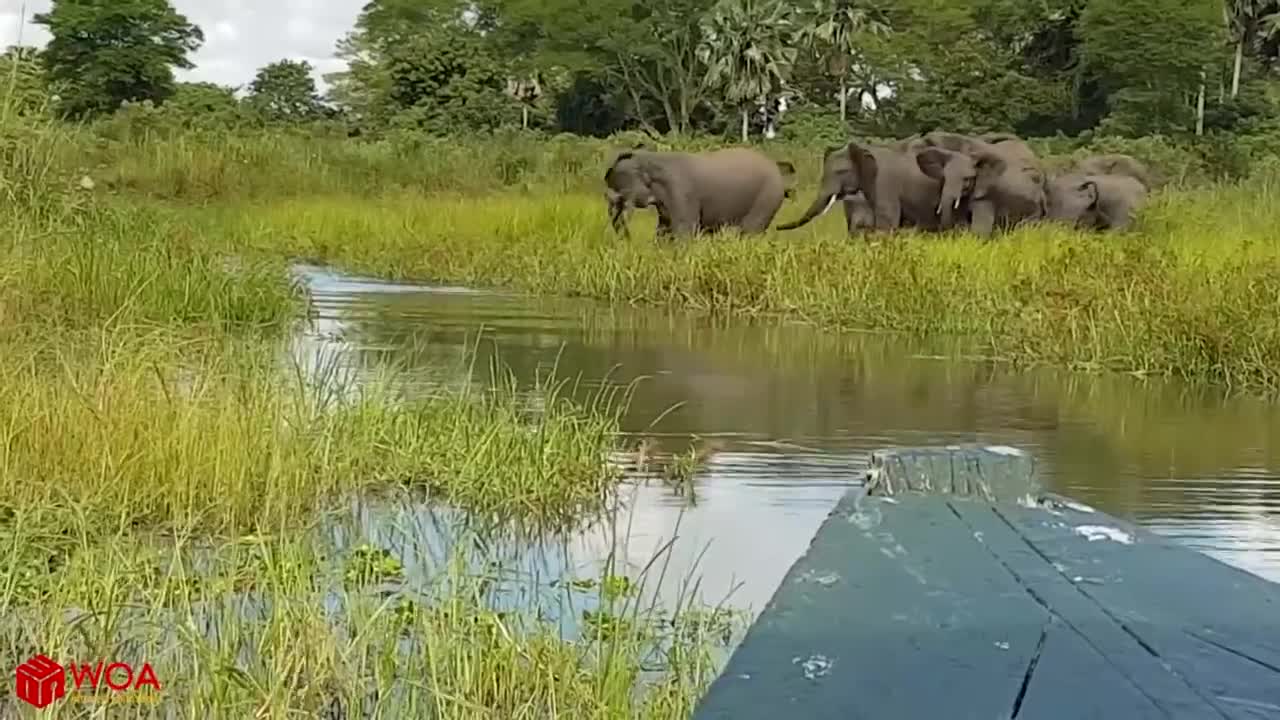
{"x":933,"y":162}
{"x":990,"y":167}
{"x":651,"y":168}
{"x":833,"y":150}
{"x":1088,"y":187}
{"x":864,"y":164}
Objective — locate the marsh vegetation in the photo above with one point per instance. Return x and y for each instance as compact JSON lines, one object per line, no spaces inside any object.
{"x":175,"y":487}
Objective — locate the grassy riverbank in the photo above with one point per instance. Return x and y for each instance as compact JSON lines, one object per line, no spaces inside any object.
{"x":173,"y":489}
{"x":184,"y":522}
{"x":1193,"y":293}
{"x":168,"y":475}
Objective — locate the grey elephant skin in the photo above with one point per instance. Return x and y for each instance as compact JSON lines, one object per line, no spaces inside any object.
{"x":881,"y":187}
{"x":1095,"y":202}
{"x":996,"y":178}
{"x":1117,"y":164}
{"x":697,"y":192}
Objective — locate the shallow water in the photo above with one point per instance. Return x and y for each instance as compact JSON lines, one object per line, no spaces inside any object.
{"x":790,"y":414}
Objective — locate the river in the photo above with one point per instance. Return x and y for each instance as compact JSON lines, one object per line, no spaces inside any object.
{"x":790,"y":413}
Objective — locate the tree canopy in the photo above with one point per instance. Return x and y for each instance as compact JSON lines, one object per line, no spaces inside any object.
{"x":105,"y":52}
{"x":879,"y":67}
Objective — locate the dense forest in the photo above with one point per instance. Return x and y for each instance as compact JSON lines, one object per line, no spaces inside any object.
{"x":725,"y":67}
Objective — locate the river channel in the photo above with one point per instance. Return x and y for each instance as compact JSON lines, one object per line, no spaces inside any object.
{"x":790,"y":413}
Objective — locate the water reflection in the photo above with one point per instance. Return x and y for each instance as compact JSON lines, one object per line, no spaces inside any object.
{"x":795,"y":411}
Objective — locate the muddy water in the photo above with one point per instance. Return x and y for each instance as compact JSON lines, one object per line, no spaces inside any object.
{"x":787,"y":415}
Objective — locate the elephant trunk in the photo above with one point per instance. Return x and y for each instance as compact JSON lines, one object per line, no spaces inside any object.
{"x":617,"y":213}
{"x":821,"y":204}
{"x":949,"y":202}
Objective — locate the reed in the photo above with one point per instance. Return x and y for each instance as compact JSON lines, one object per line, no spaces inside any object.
{"x":1193,"y":292}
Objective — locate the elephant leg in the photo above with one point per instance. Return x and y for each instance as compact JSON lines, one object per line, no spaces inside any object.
{"x":663,"y":231}
{"x":1120,"y":220}
{"x":982,"y":217}
{"x":761,"y":215}
{"x":684,"y":222}
{"x":888,"y":213}
{"x":857,"y":214}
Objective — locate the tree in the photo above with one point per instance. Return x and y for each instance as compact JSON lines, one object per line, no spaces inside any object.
{"x":1151,"y":70}
{"x":834,"y":28}
{"x":383,"y":29}
{"x":285,"y":91}
{"x":1248,"y":21}
{"x":445,"y":83}
{"x":747,"y":47}
{"x":655,"y":59}
{"x":23,"y":86}
{"x":204,"y":105}
{"x":105,"y":52}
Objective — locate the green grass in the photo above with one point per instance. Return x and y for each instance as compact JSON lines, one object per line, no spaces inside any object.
{"x":170,"y":490}
{"x":154,"y":483}
{"x":1193,"y":293}
{"x":167,"y":480}
{"x":217,"y":436}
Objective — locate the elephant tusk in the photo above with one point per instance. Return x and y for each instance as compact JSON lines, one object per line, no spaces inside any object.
{"x":956,"y":206}
{"x":831,"y":201}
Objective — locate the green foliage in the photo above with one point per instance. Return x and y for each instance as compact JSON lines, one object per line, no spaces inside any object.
{"x":284,"y":91}
{"x":105,"y":52}
{"x":444,"y":84}
{"x":24,"y":89}
{"x":746,"y":47}
{"x":1149,"y":56}
{"x":701,"y":66}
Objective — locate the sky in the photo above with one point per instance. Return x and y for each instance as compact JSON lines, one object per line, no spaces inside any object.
{"x":240,"y":36}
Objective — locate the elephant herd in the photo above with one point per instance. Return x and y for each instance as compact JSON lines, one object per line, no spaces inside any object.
{"x":933,"y":182}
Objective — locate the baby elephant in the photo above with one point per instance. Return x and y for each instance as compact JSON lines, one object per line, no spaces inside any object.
{"x":1117,"y":164}
{"x":1095,"y":202}
{"x":697,"y":192}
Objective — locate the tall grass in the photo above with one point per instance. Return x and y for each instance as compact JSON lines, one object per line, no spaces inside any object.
{"x":1193,"y":292}
{"x":278,"y":628}
{"x":162,"y":160}
{"x":210,"y":436}
{"x":165,"y":499}
{"x":168,"y":482}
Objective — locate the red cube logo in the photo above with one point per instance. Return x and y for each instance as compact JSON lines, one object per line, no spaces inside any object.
{"x":41,"y":681}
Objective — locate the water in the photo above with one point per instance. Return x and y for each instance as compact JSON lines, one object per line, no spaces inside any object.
{"x":790,"y":415}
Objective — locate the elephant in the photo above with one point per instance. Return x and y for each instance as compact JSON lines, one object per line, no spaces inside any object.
{"x":894,"y":190}
{"x":697,"y":192}
{"x":998,"y":183}
{"x":1095,"y":202}
{"x":1115,"y":164}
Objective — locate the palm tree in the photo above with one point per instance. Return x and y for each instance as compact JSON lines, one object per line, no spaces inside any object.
{"x":1249,"y":21}
{"x":1269,"y":21}
{"x":747,"y":46}
{"x":833,"y":29}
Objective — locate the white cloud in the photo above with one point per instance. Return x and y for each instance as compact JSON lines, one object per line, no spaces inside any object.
{"x":240,"y":36}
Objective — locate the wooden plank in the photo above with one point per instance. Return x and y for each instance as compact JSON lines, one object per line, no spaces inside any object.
{"x":1215,"y":627}
{"x":1058,"y":688}
{"x":939,"y":603}
{"x":894,"y":612}
{"x":1122,"y":672}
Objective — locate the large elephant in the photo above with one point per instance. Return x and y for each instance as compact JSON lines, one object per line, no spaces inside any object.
{"x":697,"y":192}
{"x":896,"y":192}
{"x":1116,"y":164}
{"x":1095,"y":202}
{"x":1000,"y":182}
